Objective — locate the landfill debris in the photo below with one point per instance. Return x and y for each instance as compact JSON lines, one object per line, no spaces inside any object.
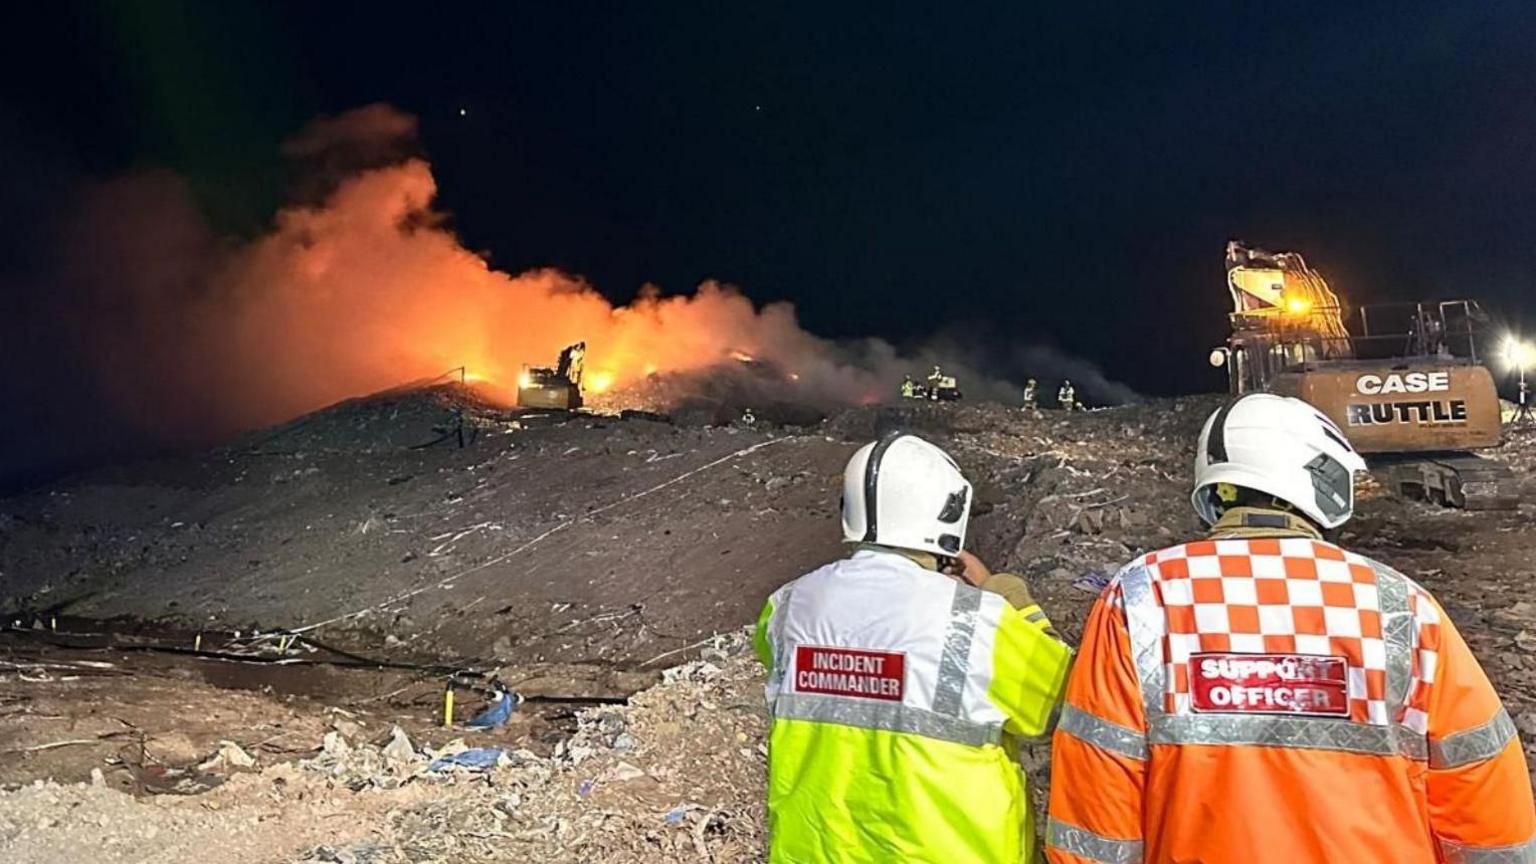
{"x":698,"y":734}
{"x":1093,"y":583}
{"x":399,"y":750}
{"x":364,"y":766}
{"x":361,"y":853}
{"x":474,"y":759}
{"x":623,"y":772}
{"x":229,"y":755}
{"x":498,"y":714}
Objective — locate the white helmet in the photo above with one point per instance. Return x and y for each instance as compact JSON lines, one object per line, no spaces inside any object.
{"x":902,"y":491}
{"x":1282,"y":447}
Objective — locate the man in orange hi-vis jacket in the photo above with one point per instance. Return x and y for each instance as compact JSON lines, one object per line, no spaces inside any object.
{"x":1263,"y":696}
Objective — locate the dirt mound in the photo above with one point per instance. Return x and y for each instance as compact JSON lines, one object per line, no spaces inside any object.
{"x":548,"y":537}
{"x":573,"y":556}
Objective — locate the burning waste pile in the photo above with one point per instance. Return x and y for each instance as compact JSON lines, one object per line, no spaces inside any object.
{"x":359,"y":285}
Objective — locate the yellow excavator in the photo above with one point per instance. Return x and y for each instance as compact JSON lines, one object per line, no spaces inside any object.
{"x":558,"y":387}
{"x":1407,"y":381}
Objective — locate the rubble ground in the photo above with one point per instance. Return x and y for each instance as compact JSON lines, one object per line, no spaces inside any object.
{"x":626,"y":557}
{"x":676,"y":774}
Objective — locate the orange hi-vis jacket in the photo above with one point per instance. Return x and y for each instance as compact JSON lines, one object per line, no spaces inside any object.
{"x":1278,"y":700}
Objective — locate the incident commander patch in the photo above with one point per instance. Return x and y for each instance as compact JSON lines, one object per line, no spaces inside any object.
{"x":1269,"y":684}
{"x":850,"y":672}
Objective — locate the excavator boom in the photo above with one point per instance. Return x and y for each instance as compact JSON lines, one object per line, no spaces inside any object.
{"x":1408,"y":386}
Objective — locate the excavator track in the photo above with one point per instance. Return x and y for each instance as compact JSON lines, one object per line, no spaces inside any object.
{"x":1461,"y":480}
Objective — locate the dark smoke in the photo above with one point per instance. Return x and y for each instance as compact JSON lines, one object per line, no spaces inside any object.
{"x":137,"y":327}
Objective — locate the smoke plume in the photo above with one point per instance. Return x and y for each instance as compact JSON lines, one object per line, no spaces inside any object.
{"x":358,"y":286}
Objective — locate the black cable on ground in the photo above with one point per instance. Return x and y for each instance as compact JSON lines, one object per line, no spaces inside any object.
{"x":349,"y":661}
{"x":352,"y":661}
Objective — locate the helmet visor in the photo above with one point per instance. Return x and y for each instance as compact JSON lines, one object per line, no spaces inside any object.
{"x":955,"y":506}
{"x":1334,"y":487}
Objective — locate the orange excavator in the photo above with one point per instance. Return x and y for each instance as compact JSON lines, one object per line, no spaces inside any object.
{"x":1406,"y":382}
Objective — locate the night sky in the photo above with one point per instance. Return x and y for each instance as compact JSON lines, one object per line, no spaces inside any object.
{"x":1010,"y":173}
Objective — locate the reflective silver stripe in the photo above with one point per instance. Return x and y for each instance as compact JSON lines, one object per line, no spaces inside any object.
{"x":777,"y":625}
{"x":1102,"y":733}
{"x":1398,"y":632}
{"x":887,"y":716}
{"x":1035,"y":617}
{"x":1144,"y":623}
{"x":1411,"y":744}
{"x":1460,"y":853}
{"x":1473,"y":745}
{"x":1094,"y":847}
{"x":955,"y":664}
{"x":1277,"y":731}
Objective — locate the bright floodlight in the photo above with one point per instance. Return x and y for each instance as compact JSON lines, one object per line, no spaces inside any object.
{"x":1298,"y":305}
{"x":1518,"y":353}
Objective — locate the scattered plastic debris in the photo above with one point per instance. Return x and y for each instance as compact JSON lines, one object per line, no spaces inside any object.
{"x":1093,"y":582}
{"x":498,"y":714}
{"x":623,"y":772}
{"x":229,"y":755}
{"x":399,"y":750}
{"x":474,"y":759}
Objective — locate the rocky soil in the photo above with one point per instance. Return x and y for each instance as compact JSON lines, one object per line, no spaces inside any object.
{"x":570,"y":558}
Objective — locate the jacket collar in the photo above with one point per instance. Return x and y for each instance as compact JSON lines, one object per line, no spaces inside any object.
{"x":1240,"y":522}
{"x":921,"y":559}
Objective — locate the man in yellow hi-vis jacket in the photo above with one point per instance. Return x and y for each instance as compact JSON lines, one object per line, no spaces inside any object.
{"x":896,"y":691}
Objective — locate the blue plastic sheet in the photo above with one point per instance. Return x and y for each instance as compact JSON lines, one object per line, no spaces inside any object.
{"x":498,"y":714}
{"x":477,"y":759}
{"x":1093,"y":582}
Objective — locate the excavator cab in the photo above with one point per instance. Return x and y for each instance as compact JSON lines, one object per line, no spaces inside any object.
{"x":559,"y":387}
{"x":1406,"y":382}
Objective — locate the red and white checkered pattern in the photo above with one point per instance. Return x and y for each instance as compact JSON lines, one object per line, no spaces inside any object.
{"x":1275,"y":596}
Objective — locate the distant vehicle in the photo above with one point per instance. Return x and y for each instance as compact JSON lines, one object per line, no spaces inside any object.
{"x":939,"y":387}
{"x":1408,"y":387}
{"x":558,"y":388}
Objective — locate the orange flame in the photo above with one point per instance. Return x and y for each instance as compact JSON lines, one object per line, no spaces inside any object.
{"x":599,"y":382}
{"x":364,"y":289}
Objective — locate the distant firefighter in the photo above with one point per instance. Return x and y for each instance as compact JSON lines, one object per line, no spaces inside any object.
{"x":941,"y":387}
{"x":1066,"y":397}
{"x":1031,"y":395}
{"x":908,"y":387}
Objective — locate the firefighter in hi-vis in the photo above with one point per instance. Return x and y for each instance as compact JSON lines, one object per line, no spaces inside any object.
{"x":900,"y":678}
{"x":1066,"y":396}
{"x":1264,"y":696}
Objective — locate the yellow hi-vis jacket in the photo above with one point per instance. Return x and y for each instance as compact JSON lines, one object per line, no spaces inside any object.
{"x":896,"y":694}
